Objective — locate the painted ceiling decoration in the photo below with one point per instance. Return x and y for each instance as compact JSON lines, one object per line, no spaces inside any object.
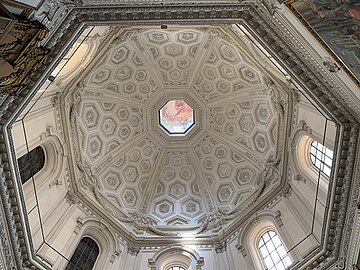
{"x":196,"y":82}
{"x":176,"y":117}
{"x":336,"y":24}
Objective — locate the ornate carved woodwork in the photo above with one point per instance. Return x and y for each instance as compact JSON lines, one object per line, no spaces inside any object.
{"x":19,"y":50}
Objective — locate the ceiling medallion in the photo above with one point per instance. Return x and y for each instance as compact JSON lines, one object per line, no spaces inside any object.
{"x":176,"y":117}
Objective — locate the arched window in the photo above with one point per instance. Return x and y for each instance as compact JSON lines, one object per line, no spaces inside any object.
{"x":31,"y":163}
{"x":85,"y":255}
{"x":321,"y":157}
{"x":176,"y":257}
{"x":273,"y":252}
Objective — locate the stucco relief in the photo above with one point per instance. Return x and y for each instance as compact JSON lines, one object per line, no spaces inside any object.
{"x":175,"y":185}
{"x":136,"y":166}
{"x":107,"y":125}
{"x":126,"y":176}
{"x":225,"y":71}
{"x":174,"y":53}
{"x":221,"y":165}
{"x":301,"y":68}
{"x":124,"y":72}
{"x":248,"y":123}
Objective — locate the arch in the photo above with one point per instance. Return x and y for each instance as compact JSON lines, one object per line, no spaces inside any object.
{"x":311,"y":186}
{"x":31,"y":163}
{"x":251,"y":233}
{"x":321,"y":157}
{"x":55,"y":155}
{"x":176,"y":267}
{"x":175,"y":264}
{"x":302,"y":164}
{"x":176,"y":255}
{"x":85,"y":51}
{"x":272,"y":251}
{"x":54,"y":165}
{"x":84,"y":256}
{"x":105,"y":238}
{"x":109,"y":249}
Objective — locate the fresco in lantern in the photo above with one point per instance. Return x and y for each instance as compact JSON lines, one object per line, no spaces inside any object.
{"x":337,"y":22}
{"x":176,"y":116}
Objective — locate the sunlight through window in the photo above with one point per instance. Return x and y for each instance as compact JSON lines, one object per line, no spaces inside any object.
{"x":273,"y":252}
{"x":321,"y":157}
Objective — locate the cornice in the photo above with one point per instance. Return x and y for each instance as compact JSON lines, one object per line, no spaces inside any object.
{"x":288,"y":31}
{"x":6,"y":253}
{"x":270,"y":33}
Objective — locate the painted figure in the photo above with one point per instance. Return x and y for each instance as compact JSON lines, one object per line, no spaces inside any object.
{"x":176,"y":116}
{"x":337,"y":22}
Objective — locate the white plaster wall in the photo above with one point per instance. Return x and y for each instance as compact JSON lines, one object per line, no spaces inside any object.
{"x":239,"y":261}
{"x":60,"y":218}
{"x":316,"y":121}
{"x":63,"y":235}
{"x":213,"y":260}
{"x":296,"y":224}
{"x":38,"y":125}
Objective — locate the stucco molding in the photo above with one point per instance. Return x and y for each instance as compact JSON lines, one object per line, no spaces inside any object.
{"x":169,"y":251}
{"x":269,"y":32}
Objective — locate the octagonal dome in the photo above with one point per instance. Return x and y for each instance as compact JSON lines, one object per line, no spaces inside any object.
{"x":153,"y":84}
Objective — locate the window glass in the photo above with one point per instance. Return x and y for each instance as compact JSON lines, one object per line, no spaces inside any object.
{"x":321,"y":157}
{"x":273,"y":252}
{"x":31,"y":163}
{"x":85,"y":255}
{"x":176,"y":268}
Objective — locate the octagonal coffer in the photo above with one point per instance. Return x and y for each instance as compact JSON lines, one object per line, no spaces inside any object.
{"x":176,"y":117}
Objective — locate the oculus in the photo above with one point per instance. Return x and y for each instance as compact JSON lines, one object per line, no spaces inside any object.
{"x":176,"y":117}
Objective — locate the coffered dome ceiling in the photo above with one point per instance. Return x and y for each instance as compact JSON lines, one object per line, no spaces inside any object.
{"x":148,"y":180}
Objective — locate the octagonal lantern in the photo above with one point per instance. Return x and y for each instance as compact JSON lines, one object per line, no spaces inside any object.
{"x":176,"y":117}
